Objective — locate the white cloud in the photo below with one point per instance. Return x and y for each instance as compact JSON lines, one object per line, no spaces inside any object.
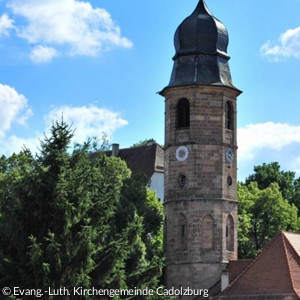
{"x":5,"y":25}
{"x":13,"y":108}
{"x":14,"y":144}
{"x":90,"y":121}
{"x":287,"y":46}
{"x":272,"y":136}
{"x":42,"y":54}
{"x":73,"y":25}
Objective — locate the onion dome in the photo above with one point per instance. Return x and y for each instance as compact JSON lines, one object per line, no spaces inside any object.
{"x":201,"y":58}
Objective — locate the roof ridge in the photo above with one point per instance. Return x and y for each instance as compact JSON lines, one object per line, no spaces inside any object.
{"x":289,"y":242}
{"x":253,"y":262}
{"x":138,"y":146}
{"x":286,"y":240}
{"x":289,"y":232}
{"x":133,"y":147}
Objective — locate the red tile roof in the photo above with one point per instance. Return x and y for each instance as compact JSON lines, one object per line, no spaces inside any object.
{"x":293,"y":251}
{"x":275,"y":271}
{"x":235,"y":267}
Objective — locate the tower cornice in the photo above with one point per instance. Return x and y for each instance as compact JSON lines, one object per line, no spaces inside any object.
{"x":204,"y":88}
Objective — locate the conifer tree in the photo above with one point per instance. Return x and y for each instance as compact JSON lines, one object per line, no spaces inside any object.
{"x":67,"y":220}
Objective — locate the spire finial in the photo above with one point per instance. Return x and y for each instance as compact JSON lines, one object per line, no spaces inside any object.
{"x":201,"y":8}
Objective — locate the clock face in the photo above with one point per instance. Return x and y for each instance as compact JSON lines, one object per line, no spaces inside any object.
{"x":229,"y":154}
{"x":182,"y":153}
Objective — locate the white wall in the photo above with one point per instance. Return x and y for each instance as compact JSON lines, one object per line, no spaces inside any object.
{"x":157,"y":185}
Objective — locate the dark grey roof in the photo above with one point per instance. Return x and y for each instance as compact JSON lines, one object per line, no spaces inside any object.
{"x":201,"y":58}
{"x":143,"y":159}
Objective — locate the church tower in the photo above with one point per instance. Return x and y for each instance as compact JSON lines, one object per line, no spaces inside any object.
{"x":200,"y":155}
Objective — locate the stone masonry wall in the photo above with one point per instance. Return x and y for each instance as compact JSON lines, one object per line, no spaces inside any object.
{"x":196,"y":212}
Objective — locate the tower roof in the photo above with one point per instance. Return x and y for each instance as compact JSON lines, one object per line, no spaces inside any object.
{"x":201,"y":58}
{"x":201,"y":33}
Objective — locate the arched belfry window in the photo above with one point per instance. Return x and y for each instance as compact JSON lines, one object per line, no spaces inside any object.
{"x":207,"y":232}
{"x":182,"y":232}
{"x":229,"y":233}
{"x":229,"y":116}
{"x":183,"y":113}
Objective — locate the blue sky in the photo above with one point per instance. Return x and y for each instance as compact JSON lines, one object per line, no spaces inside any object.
{"x":102,"y":63}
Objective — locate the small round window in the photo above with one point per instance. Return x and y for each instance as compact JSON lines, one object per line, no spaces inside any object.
{"x":182,"y":180}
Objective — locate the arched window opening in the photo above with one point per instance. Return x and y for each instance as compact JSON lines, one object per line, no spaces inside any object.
{"x":207,"y":232}
{"x":229,"y":117}
{"x":229,"y":233}
{"x":183,"y":113}
{"x":182,"y":232}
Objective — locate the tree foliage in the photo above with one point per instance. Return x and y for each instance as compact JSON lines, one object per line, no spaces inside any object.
{"x":142,"y":143}
{"x":69,"y":220}
{"x":266,"y":174}
{"x":262,"y":214}
{"x":269,"y":202}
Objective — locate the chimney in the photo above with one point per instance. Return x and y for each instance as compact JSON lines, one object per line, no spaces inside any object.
{"x":115,"y":150}
{"x":224,"y":280}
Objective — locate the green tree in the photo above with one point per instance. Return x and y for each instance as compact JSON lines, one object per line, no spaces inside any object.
{"x":295,"y":198}
{"x":142,"y":143}
{"x":262,"y":214}
{"x":147,"y":260}
{"x":63,"y":220}
{"x":266,"y":174}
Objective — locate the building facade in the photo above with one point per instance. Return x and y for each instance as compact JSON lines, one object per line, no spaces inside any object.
{"x":200,"y":155}
{"x":146,"y":159}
